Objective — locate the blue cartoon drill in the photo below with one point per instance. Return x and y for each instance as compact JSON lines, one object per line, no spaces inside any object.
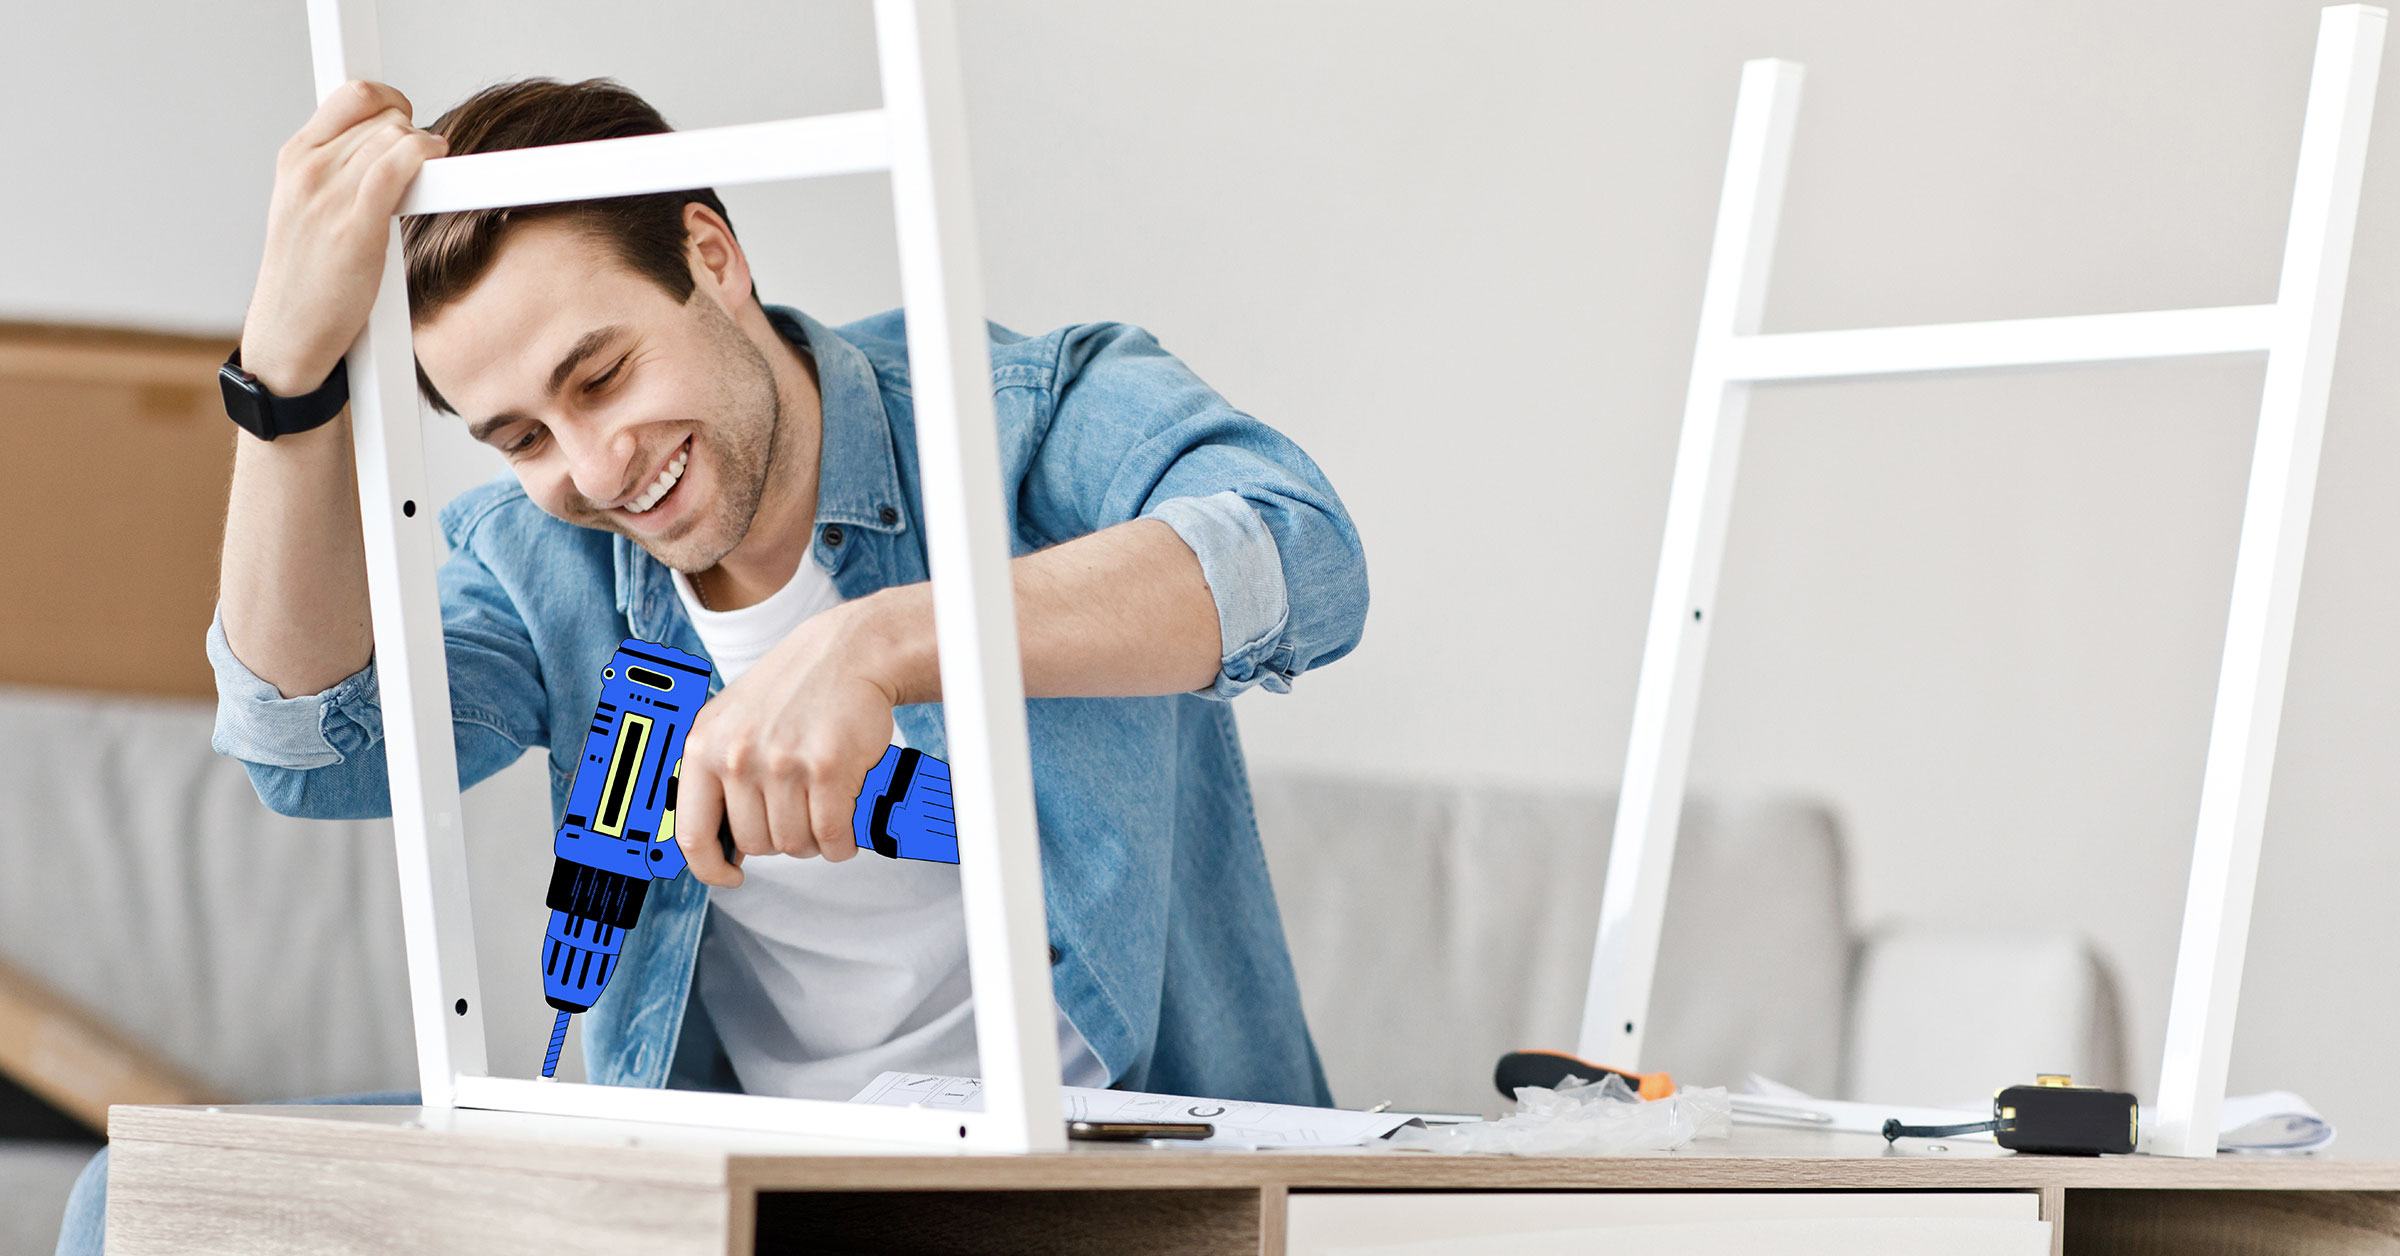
{"x":619,"y":832}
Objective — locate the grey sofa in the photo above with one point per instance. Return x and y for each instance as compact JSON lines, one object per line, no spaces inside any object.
{"x":1436,"y":926}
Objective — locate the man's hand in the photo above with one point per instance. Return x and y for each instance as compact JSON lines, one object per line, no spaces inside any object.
{"x":337,"y":182}
{"x":782,"y":753}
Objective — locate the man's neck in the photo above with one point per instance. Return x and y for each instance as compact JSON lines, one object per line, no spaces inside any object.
{"x":784,"y":527}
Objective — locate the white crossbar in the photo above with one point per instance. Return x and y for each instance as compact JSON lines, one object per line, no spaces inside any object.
{"x":816,"y":1117}
{"x":2296,"y":334}
{"x":753,"y":152}
{"x":1997,"y":345}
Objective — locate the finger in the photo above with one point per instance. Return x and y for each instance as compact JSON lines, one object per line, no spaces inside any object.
{"x":830,"y":811}
{"x":368,"y":140}
{"x":746,"y":811}
{"x":699,"y":809}
{"x":787,"y":819}
{"x":350,"y":104}
{"x":380,"y":190}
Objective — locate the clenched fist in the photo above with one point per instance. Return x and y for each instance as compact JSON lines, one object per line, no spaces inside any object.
{"x":782,"y":753}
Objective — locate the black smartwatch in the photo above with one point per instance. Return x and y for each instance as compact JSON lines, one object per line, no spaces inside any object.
{"x":267,"y":416}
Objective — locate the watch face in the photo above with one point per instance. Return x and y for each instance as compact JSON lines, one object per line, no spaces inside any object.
{"x":267,"y":416}
{"x":244,"y":401}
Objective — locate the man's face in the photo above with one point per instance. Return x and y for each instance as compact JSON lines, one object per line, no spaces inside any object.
{"x":618,"y":408}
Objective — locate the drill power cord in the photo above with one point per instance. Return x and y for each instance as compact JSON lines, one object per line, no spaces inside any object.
{"x":1893,"y":1130}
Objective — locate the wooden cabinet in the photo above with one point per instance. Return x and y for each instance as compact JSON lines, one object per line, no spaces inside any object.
{"x":297,"y":1180}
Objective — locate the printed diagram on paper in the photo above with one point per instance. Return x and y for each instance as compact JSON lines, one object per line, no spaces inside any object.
{"x":1239,"y":1124}
{"x":923,"y":1090}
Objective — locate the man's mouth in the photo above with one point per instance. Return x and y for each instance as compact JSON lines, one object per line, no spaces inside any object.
{"x":667,"y":479}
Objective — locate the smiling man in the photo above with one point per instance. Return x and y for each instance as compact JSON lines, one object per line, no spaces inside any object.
{"x":694,"y":467}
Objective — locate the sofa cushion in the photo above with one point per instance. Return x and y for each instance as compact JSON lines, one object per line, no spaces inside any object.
{"x":262,"y":953}
{"x":1436,"y":927}
{"x":1944,"y":1015}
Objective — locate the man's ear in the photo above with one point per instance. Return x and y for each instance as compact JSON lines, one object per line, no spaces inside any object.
{"x":718,"y":262}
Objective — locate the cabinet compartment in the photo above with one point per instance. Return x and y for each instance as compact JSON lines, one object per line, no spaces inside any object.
{"x":1684,"y":1223}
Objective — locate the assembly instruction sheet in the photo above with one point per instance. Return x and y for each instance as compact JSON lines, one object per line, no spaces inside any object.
{"x":1239,"y":1124}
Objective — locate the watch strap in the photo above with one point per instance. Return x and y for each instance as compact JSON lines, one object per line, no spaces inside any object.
{"x":266,"y":415}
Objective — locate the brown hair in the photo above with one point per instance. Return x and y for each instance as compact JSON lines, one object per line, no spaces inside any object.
{"x":448,"y":253}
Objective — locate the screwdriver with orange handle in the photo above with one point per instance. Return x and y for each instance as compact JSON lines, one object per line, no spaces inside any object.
{"x":1550,"y":1069}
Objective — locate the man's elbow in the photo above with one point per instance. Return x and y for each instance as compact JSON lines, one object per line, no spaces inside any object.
{"x":1328,"y":596}
{"x":303,"y":794}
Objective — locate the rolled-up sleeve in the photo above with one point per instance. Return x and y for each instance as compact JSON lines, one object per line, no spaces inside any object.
{"x":258,"y":725}
{"x":1244,"y":571}
{"x":1132,"y":433}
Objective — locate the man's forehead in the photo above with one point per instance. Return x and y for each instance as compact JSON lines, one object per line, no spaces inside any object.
{"x":550,"y":290}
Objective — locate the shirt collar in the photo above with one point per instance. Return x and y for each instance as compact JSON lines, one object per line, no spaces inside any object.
{"x":858,"y":480}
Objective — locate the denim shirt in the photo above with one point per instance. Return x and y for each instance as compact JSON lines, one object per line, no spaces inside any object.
{"x":1167,"y":951}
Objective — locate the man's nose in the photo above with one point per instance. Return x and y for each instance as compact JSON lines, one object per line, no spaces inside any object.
{"x":600,"y":464}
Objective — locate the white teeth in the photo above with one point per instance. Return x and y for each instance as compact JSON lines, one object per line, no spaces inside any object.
{"x":658,"y":487}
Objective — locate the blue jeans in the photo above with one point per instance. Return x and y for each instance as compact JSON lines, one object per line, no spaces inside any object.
{"x":84,"y":1231}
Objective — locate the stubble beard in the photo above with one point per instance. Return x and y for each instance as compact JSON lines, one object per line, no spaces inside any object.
{"x":740,"y":445}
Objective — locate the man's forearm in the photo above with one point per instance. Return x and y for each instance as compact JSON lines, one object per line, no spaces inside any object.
{"x":292,"y":583}
{"x":1123,"y":612}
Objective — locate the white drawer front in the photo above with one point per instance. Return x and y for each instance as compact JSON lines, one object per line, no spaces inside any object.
{"x":1681,"y":1224}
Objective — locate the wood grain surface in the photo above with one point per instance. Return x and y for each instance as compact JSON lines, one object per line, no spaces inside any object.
{"x":1274,"y":1210}
{"x":278,"y":1203}
{"x":301,"y":1180}
{"x":1753,"y":1159}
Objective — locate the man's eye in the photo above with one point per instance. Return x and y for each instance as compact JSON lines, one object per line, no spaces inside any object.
{"x":523,"y":444}
{"x":600,"y":381}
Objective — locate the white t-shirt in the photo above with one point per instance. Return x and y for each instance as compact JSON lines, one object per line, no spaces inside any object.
{"x":820,"y":975}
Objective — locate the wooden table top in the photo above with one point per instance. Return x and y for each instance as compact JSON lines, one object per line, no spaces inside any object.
{"x":1754,"y":1158}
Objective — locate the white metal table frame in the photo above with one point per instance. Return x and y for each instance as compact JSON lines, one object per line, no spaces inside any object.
{"x":919,"y":137}
{"x":2296,"y":335}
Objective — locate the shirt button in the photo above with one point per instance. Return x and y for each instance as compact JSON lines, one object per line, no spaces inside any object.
{"x":833,"y":536}
{"x":889,"y":516}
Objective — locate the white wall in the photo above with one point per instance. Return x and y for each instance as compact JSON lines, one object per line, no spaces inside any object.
{"x":1455,"y":251}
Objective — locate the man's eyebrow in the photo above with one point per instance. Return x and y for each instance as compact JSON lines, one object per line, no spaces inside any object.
{"x":482,"y":429}
{"x":593,"y":342}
